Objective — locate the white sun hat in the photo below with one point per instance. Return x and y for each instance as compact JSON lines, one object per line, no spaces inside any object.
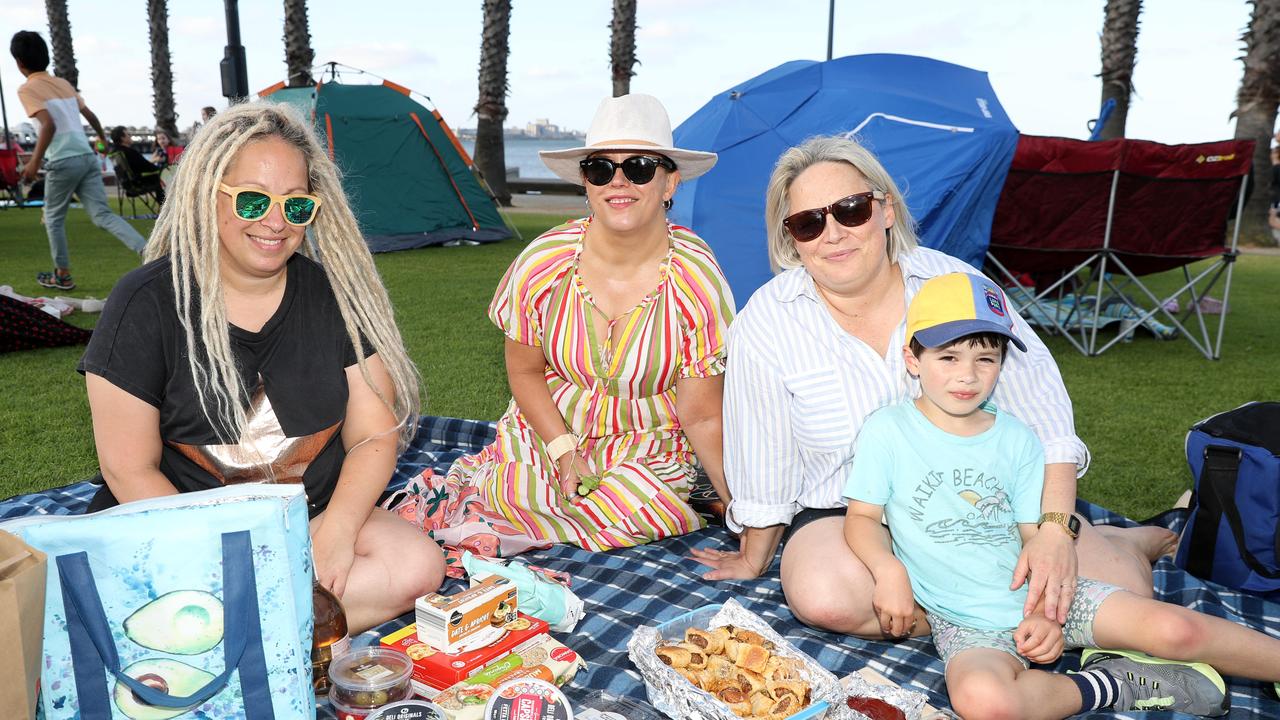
{"x":630,"y":122}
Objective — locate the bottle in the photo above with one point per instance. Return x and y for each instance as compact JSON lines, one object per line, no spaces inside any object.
{"x":329,"y":640}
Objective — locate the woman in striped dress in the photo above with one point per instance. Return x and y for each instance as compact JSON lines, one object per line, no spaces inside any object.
{"x":615,"y":346}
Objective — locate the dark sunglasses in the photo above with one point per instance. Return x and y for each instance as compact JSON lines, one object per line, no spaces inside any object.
{"x":849,"y":211}
{"x":299,"y":209}
{"x":639,"y":169}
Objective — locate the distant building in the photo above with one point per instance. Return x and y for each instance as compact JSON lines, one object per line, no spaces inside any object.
{"x":540,"y":129}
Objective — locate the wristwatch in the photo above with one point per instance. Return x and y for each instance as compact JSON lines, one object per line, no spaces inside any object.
{"x":1068,"y":521}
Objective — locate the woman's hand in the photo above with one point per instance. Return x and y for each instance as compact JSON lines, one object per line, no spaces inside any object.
{"x":726,"y":565}
{"x":572,"y":469}
{"x":333,"y":554}
{"x":1039,"y":639}
{"x":1049,"y":557}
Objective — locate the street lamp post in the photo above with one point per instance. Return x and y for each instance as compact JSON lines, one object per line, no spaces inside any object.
{"x":235,"y":75}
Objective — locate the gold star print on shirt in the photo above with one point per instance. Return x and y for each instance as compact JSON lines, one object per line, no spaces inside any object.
{"x":263,"y":448}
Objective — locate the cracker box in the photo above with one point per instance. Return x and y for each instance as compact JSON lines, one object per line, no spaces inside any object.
{"x":540,"y":657}
{"x":469,"y":619}
{"x":434,"y":671}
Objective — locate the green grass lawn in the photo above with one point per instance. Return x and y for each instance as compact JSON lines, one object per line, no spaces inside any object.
{"x":1133,"y":404}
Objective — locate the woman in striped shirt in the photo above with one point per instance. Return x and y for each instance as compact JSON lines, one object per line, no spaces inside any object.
{"x":818,"y":349}
{"x":615,"y":328}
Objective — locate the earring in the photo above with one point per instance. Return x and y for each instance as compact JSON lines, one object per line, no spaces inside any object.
{"x":666,"y":204}
{"x":586,"y":201}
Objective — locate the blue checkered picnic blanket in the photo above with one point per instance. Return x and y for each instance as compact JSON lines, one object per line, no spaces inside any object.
{"x":645,"y":585}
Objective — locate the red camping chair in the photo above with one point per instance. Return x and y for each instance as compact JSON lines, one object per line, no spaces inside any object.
{"x":1090,"y":219}
{"x":9,"y":178}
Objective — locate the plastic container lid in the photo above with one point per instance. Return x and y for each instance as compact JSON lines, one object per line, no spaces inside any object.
{"x":371,"y":668}
{"x":528,"y":698}
{"x":409,"y":710}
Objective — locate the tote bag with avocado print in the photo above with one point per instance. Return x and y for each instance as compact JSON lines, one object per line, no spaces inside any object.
{"x":188,"y":606}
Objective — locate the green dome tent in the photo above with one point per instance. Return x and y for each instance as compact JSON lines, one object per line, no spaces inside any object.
{"x":409,"y":180}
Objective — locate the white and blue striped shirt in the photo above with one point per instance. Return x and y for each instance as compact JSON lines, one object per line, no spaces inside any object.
{"x":798,"y":388}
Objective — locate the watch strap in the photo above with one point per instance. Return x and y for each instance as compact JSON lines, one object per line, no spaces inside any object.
{"x":1063,"y":519}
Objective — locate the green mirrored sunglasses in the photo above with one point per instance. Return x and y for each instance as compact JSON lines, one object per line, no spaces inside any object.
{"x":252,"y":204}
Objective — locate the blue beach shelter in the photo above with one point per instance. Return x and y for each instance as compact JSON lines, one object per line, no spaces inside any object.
{"x":938,"y":128}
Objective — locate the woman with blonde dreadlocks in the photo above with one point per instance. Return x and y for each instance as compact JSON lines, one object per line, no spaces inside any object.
{"x":248,"y":349}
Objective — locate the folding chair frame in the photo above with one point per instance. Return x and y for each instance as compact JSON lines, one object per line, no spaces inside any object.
{"x":1098,"y":265}
{"x":12,"y":189}
{"x":129,"y":186}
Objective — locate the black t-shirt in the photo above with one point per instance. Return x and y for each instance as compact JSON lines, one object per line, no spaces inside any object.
{"x":293,"y":369}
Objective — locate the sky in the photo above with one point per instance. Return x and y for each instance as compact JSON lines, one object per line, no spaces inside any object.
{"x":1042,"y":56}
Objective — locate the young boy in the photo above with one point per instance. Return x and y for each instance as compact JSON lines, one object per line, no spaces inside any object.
{"x":959,"y":482}
{"x":71,"y":167}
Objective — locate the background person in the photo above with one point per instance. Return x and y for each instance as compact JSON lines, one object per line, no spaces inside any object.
{"x":166,"y":152}
{"x":615,"y":333}
{"x":144,"y":172}
{"x":813,"y":354}
{"x":71,"y":167}
{"x":248,"y":349}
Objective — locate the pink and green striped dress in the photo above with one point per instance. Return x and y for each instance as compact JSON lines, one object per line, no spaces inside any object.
{"x":620,"y":400}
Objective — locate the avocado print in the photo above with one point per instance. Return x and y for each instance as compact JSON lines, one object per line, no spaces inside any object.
{"x":169,"y":676}
{"x":183,"y":622}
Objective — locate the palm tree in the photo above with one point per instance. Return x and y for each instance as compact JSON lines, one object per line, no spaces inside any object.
{"x":1119,"y":55}
{"x":64,"y":56}
{"x":491,"y":107}
{"x":622,"y":49}
{"x":298,"y":54}
{"x":1256,"y":104}
{"x":161,"y":67}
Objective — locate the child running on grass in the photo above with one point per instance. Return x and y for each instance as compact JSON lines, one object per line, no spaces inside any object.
{"x":959,"y":482}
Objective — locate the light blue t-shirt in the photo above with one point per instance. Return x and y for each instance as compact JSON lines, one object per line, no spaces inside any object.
{"x":953,"y":505}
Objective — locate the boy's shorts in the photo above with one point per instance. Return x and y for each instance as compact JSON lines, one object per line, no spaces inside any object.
{"x":951,"y":639}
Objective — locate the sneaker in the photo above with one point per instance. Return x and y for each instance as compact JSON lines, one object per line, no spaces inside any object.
{"x":1148,"y":683}
{"x":56,"y":280}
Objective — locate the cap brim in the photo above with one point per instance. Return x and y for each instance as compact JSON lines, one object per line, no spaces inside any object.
{"x":564,"y":163}
{"x":940,"y":335}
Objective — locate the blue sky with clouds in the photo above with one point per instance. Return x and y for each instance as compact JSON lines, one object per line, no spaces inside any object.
{"x":1042,"y":55}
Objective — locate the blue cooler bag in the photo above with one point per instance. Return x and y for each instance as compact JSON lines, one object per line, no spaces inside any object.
{"x":1233,"y":534}
{"x":190,"y":606}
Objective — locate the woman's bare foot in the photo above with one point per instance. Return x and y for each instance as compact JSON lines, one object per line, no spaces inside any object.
{"x":1149,"y":541}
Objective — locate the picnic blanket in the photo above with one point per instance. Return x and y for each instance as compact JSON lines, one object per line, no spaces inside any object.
{"x":644,"y":585}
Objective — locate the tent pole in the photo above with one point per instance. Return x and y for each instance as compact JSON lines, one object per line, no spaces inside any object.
{"x":831,"y":26}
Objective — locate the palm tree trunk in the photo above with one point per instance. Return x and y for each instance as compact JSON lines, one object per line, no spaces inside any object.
{"x":1256,"y":108}
{"x":1119,"y":55}
{"x":491,"y":107}
{"x":161,"y":67}
{"x":298,"y":55}
{"x":622,"y":49}
{"x":64,"y":56}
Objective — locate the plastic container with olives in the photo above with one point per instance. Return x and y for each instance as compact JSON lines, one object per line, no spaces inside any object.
{"x":367,"y":678}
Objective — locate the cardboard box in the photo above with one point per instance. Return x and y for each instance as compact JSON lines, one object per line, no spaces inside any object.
{"x":434,"y":670}
{"x":541,"y":657}
{"x":469,"y":619}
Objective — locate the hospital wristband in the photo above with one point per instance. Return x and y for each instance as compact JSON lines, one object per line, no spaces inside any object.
{"x":565,"y":443}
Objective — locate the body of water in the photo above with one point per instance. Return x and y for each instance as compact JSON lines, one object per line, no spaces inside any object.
{"x":522,"y":153}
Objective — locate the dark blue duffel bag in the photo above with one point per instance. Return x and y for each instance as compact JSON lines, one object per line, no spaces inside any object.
{"x":1233,"y":534}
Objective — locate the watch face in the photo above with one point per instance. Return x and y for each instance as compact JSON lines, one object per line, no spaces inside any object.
{"x":1073,"y":524}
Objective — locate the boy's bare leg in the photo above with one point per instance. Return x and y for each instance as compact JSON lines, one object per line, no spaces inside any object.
{"x":990,"y":684}
{"x":1126,"y":621}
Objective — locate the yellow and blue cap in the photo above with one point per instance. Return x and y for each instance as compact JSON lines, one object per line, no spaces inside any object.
{"x":949,"y":307}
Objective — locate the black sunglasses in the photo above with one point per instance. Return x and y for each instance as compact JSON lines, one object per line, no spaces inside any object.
{"x":639,"y":169}
{"x":849,"y":211}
